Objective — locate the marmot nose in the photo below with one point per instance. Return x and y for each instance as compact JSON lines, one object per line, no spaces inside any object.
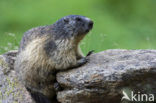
{"x":90,"y":25}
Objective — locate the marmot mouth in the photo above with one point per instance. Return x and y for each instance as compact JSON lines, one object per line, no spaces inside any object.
{"x":87,"y":30}
{"x":90,"y":25}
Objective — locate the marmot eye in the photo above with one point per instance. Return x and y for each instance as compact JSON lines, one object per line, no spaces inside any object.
{"x":66,"y":20}
{"x":78,"y":19}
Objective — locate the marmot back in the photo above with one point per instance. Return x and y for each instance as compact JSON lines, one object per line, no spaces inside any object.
{"x":45,"y":49}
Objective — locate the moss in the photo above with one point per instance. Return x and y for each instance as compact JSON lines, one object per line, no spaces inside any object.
{"x":11,"y":90}
{"x":0,"y":96}
{"x":4,"y":65}
{"x":11,"y":87}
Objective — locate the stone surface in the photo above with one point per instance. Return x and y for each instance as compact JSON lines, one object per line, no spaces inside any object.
{"x":101,"y":80}
{"x":107,"y":75}
{"x":11,"y":91}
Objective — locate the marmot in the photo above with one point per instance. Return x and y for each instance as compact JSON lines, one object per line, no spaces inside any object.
{"x":45,"y":49}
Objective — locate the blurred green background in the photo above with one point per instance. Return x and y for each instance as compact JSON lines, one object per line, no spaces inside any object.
{"x":126,"y":24}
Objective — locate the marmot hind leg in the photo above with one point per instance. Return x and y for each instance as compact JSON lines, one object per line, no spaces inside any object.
{"x":39,"y":97}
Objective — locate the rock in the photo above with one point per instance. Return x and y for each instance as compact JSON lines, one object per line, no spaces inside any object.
{"x":107,"y":75}
{"x":11,"y":91}
{"x":103,"y":79}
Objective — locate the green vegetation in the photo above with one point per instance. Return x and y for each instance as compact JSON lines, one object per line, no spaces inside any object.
{"x":126,"y":24}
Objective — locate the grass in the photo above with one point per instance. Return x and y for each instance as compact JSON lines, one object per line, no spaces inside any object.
{"x":118,"y":24}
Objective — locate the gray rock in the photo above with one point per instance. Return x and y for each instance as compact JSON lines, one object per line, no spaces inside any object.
{"x":107,"y":75}
{"x":11,"y":91}
{"x":102,"y":80}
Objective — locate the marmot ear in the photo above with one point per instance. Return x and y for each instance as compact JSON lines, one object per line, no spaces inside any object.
{"x":66,"y":20}
{"x":78,"y":19}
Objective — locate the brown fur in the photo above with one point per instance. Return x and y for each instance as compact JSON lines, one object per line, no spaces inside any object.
{"x":36,"y":58}
{"x":35,"y":66}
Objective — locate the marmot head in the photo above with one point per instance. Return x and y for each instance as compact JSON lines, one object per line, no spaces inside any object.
{"x":73,"y":26}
